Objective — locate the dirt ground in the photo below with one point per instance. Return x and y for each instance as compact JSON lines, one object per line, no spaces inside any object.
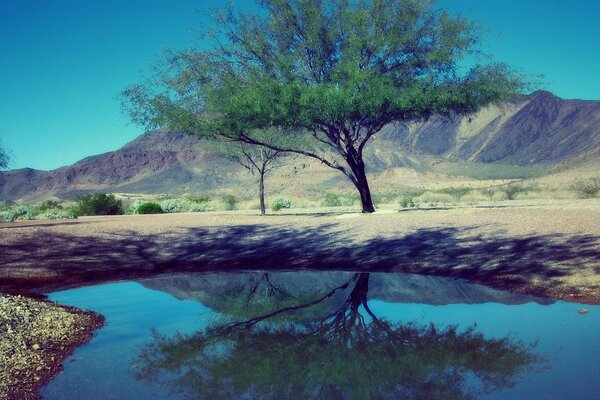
{"x":35,"y":337}
{"x":549,"y":248}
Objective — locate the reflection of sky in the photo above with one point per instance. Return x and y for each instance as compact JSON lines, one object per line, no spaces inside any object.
{"x":560,"y":329}
{"x":64,"y":61}
{"x":101,"y":370}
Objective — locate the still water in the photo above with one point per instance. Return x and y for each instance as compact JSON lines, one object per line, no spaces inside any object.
{"x":330,"y":335}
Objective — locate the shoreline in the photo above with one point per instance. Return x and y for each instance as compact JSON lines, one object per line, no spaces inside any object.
{"x":550,"y":250}
{"x":36,"y":336}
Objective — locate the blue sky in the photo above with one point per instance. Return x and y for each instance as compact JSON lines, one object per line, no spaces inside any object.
{"x":65,"y":61}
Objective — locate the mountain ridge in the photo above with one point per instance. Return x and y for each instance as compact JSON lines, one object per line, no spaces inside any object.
{"x":538,"y":130}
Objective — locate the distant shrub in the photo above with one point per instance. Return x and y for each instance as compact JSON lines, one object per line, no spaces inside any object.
{"x":512,"y":190}
{"x":175,"y":205}
{"x":230,"y":202}
{"x":336,"y":200}
{"x":50,"y":205}
{"x":456,"y":192}
{"x":149,"y":208}
{"x":587,"y":189}
{"x":488,"y":192}
{"x":406,"y":202}
{"x":280,"y":203}
{"x":98,"y":204}
{"x":200,"y":200}
{"x":201,"y":207}
{"x":55,"y":214}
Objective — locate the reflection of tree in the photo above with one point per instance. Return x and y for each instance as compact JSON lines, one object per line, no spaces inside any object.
{"x":351,"y":353}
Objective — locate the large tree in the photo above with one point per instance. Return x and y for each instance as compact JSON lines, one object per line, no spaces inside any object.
{"x":4,"y":157}
{"x":332,"y":73}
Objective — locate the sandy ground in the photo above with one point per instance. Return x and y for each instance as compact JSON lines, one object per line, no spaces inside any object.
{"x":549,"y":248}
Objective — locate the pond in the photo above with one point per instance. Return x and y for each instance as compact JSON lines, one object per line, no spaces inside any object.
{"x":330,"y":335}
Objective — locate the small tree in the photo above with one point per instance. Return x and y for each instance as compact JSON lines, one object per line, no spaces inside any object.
{"x":4,"y":157}
{"x":332,"y":72}
{"x":257,"y":159}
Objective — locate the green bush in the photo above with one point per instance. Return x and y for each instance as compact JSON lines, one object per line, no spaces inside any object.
{"x":406,"y":202}
{"x":50,"y":205}
{"x":149,"y":208}
{"x":513,"y":189}
{"x":281,"y":202}
{"x":488,"y":192}
{"x":456,"y":192}
{"x":175,"y":205}
{"x":230,"y":202}
{"x":98,"y":204}
{"x":336,"y":200}
{"x":587,"y":189}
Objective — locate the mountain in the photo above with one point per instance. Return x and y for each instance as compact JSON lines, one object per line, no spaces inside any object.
{"x":210,"y":289}
{"x":531,"y":132}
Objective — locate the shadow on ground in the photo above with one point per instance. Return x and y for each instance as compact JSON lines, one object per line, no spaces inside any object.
{"x":536,"y":264}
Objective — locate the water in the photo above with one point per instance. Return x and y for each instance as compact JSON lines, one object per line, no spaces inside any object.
{"x":328,"y":335}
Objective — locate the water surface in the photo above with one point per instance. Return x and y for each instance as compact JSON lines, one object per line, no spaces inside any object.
{"x":328,"y":335}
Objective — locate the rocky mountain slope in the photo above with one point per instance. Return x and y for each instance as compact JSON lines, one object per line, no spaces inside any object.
{"x":538,"y":131}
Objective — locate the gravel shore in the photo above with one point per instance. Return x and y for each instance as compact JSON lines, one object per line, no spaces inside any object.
{"x":549,"y":248}
{"x":35,"y":337}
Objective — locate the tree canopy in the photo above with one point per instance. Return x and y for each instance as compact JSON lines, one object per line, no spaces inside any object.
{"x":332,"y":73}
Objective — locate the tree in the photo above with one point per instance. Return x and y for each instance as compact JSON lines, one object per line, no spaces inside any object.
{"x":333,"y":73}
{"x":259,"y":160}
{"x":347,"y":352}
{"x":4,"y":157}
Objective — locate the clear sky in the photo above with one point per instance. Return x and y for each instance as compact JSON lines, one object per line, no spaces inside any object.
{"x":64,"y":62}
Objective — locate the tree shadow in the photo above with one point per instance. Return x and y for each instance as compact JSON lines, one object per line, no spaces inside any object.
{"x":534,"y":264}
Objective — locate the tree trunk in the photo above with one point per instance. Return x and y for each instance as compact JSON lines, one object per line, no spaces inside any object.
{"x":261,"y":192}
{"x":361,"y":183}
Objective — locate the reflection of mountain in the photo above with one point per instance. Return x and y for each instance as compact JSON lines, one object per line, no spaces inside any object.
{"x":388,"y":287}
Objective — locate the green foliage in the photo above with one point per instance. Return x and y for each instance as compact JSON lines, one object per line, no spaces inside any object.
{"x":587,"y":189}
{"x":456,"y":192}
{"x":98,"y":204}
{"x":230,"y":202}
{"x":488,"y":192}
{"x":406,"y":202}
{"x":200,"y":200}
{"x":337,"y":200}
{"x":512,"y":190}
{"x":50,"y":205}
{"x":175,"y":205}
{"x":332,"y":73}
{"x":280,"y":203}
{"x":19,"y":212}
{"x":149,"y":208}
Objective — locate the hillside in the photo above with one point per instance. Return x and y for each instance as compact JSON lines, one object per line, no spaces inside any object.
{"x":530,"y":134}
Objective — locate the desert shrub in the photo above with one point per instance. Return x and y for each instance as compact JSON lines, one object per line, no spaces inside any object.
{"x":149,"y":208}
{"x":512,"y":190}
{"x":230,"y":202}
{"x":456,"y":192}
{"x":587,"y":189}
{"x":337,"y":200}
{"x":488,"y":192}
{"x":55,"y":214}
{"x":98,"y":204}
{"x":50,"y":205}
{"x":201,"y":207}
{"x":200,"y":200}
{"x":280,"y":203}
{"x":406,"y":202}
{"x":175,"y":205}
{"x":133,"y":206}
{"x":434,"y":197}
{"x":19,"y":212}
